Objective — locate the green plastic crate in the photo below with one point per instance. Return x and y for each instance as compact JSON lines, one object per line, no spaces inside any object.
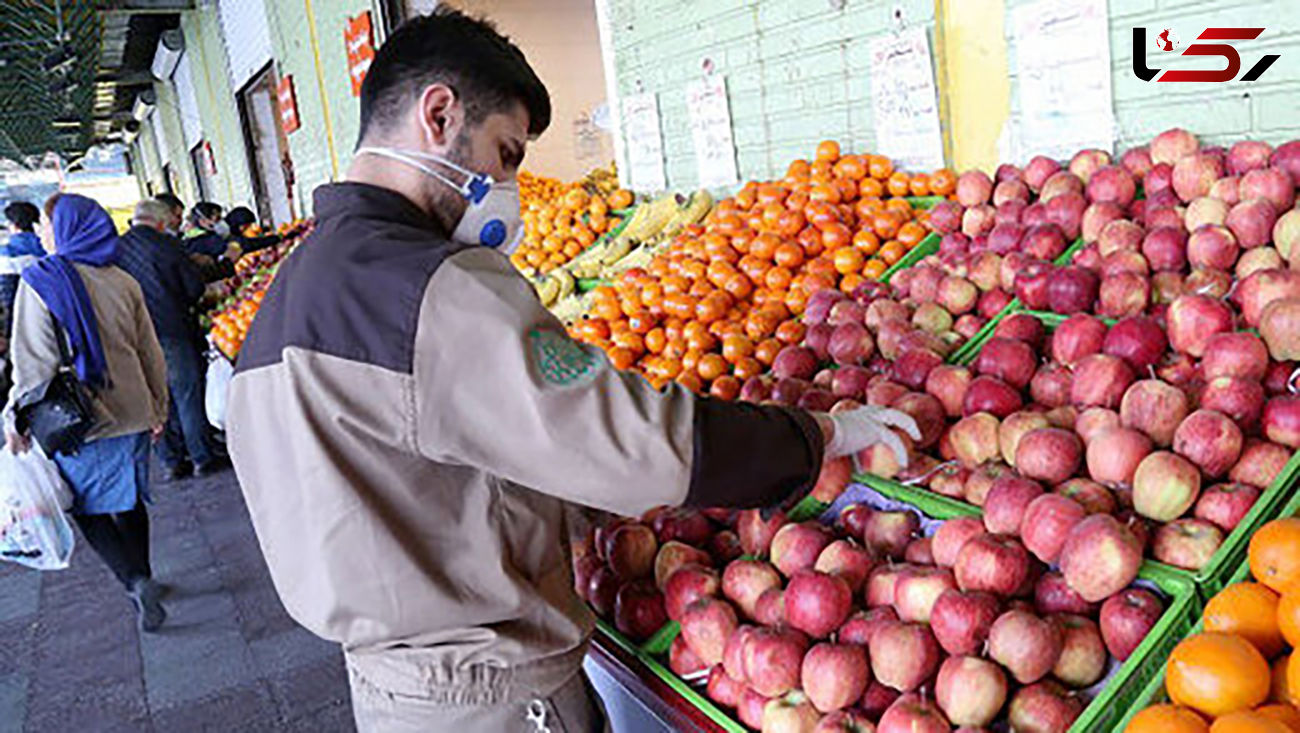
{"x":1208,"y":580}
{"x":924,"y":202}
{"x":1135,"y":674}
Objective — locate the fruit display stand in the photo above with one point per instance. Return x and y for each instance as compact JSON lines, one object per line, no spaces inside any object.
{"x":1113,"y":697}
{"x":1211,"y":578}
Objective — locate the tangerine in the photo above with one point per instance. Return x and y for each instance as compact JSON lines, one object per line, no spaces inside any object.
{"x":1280,"y":689}
{"x":1288,"y":715}
{"x":1167,"y":718}
{"x":1275,"y":554}
{"x":828,"y":151}
{"x":1249,"y":610}
{"x":725,"y":388}
{"x":1216,"y":674}
{"x":1248,"y":721}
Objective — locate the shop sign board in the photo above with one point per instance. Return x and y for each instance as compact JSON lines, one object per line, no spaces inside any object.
{"x":1064,"y":68}
{"x":715,"y":149}
{"x":645,"y":143}
{"x":359,"y":38}
{"x":288,"y":101}
{"x":904,"y":104}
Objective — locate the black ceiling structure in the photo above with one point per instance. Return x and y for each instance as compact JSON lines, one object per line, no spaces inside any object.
{"x":70,"y":71}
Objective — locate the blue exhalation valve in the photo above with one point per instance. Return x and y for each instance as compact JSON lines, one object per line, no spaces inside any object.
{"x":493,"y":234}
{"x":478,"y":188}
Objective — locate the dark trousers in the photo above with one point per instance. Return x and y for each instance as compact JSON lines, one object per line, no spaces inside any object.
{"x":121,"y":540}
{"x":187,"y":430}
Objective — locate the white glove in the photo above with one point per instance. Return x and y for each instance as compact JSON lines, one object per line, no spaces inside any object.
{"x":857,"y":430}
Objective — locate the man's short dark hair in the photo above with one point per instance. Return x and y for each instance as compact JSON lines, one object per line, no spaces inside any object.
{"x":204,"y":210}
{"x":240,"y":217}
{"x":487,"y":71}
{"x":23,"y":214}
{"x":171,"y":199}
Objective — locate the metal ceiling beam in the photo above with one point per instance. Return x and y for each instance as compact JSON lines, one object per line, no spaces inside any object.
{"x":143,"y":6}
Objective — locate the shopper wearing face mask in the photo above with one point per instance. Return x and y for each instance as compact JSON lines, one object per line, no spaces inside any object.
{"x":415,"y":434}
{"x":209,"y":234}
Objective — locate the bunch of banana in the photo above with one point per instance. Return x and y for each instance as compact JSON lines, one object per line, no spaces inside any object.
{"x":555,"y":286}
{"x":601,"y":180}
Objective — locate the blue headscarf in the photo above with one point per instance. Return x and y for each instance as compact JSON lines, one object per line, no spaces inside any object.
{"x":84,"y":234}
{"x":22,"y":244}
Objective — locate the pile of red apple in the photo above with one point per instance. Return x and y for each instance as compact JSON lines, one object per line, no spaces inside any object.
{"x":869,"y":623}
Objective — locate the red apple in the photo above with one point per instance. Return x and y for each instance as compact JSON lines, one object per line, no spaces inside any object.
{"x":772,"y":658}
{"x":1186,"y":543}
{"x":1044,"y":707}
{"x":630,"y":550}
{"x":993,"y":563}
{"x":1248,"y":155}
{"x":1014,"y":428}
{"x":1279,"y":325}
{"x":723,"y":689}
{"x":848,"y":560}
{"x":743,"y":581}
{"x":1124,"y":294}
{"x":1087,"y":163}
{"x":707,"y":624}
{"x":1212,"y":247}
{"x":1092,"y":496}
{"x":1079,"y":336}
{"x":973,"y":188}
{"x":991,"y":395}
{"x":1225,"y":505}
{"x":1155,"y":408}
{"x":970,"y":690}
{"x":1073,"y":289}
{"x":1120,"y":235}
{"x":681,"y":660}
{"x":1126,"y":619}
{"x":674,"y":555}
{"x":733,"y":654}
{"x":1051,"y":385}
{"x":904,"y":656}
{"x":1083,"y":653}
{"x":817,"y":603}
{"x":1053,"y":595}
{"x":1165,"y":486}
{"x":915,"y":593}
{"x":1061,"y":183}
{"x":797,"y":546}
{"x":1114,"y":455}
{"x":751,"y":708}
{"x":1165,"y":248}
{"x":887,"y":534}
{"x":1251,"y":220}
{"x":1195,"y":174}
{"x":1028,"y":646}
{"x":845,"y":721}
{"x":880,"y":584}
{"x":1282,"y":420}
{"x":1260,"y":464}
{"x":1262,"y":288}
{"x":1171,"y":146}
{"x":1241,"y":400}
{"x":981,"y":481}
{"x":1100,"y":557}
{"x":639,"y":610}
{"x":912,"y":713}
{"x":948,"y":384}
{"x":961,"y":620}
{"x":1210,"y":440}
{"x":1007,"y":500}
{"x":1194,"y":319}
{"x":1038,"y":170}
{"x":687,"y":585}
{"x":602,"y":590}
{"x":1138,"y":340}
{"x":769,"y":609}
{"x":1011,"y":360}
{"x":1100,"y":381}
{"x":948,"y":540}
{"x":1051,"y":454}
{"x":756,"y":533}
{"x":834,"y":676}
{"x":724,"y":547}
{"x":860,"y":626}
{"x":1047,"y":522}
{"x":1212,"y":209}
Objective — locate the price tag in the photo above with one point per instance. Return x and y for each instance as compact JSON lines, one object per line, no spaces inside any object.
{"x":715,"y":150}
{"x":903,"y":100}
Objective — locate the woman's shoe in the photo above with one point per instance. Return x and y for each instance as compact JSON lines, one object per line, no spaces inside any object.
{"x":151,"y":615}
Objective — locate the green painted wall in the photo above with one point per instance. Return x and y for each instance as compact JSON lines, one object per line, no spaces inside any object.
{"x":167,"y":115}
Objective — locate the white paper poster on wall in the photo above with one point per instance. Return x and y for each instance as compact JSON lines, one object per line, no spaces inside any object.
{"x":645,"y":143}
{"x":904,"y":104}
{"x":715,"y":150}
{"x":1063,"y":66}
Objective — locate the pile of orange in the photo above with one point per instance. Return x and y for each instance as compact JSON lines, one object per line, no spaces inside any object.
{"x":1241,"y":675}
{"x":561,"y":220}
{"x":721,"y":301}
{"x":230,"y":326}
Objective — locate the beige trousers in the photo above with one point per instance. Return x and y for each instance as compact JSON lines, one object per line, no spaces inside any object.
{"x":572,"y":708}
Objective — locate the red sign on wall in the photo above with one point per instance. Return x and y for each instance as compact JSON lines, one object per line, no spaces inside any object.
{"x":359,"y":39}
{"x":288,"y":104}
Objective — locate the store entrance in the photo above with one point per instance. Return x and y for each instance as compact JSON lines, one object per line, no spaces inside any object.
{"x":268,"y":149}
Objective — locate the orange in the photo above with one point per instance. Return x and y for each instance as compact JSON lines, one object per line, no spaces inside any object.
{"x":849,"y":259}
{"x":1275,"y":554}
{"x":828,"y":151}
{"x":1249,"y":610}
{"x":1293,"y":677}
{"x":880,"y":167}
{"x":1248,"y":721}
{"x":1288,"y":617}
{"x":871,"y":188}
{"x":892,"y":251}
{"x":851,"y":282}
{"x":898,"y":184}
{"x":1281,"y":687}
{"x":690,"y":381}
{"x":874,"y":269}
{"x":1285,"y":713}
{"x":943,"y":182}
{"x":1216,"y":674}
{"x":1166,"y":718}
{"x":725,"y":388}
{"x":919,"y":185}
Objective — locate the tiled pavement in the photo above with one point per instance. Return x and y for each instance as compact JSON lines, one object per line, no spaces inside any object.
{"x":229,"y":658}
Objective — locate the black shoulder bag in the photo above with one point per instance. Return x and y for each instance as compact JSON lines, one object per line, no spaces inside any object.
{"x":60,"y":413}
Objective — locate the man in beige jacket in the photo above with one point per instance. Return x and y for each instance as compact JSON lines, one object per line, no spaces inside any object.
{"x":413,"y":430}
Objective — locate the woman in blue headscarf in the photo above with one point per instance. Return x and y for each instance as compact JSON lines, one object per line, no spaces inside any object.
{"x":79,"y":296}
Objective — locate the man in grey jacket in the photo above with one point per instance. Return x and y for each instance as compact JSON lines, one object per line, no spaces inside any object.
{"x":413,"y":430}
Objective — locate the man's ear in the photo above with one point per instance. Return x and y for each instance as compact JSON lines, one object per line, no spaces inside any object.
{"x":441,"y":116}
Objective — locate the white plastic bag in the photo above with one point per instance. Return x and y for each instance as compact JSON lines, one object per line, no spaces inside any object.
{"x":34,"y":531}
{"x":214,"y":394}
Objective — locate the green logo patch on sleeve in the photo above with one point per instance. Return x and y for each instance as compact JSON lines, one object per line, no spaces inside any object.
{"x":560,"y":360}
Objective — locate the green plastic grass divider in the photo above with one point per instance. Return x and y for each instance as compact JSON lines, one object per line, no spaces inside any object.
{"x":924,"y":202}
{"x":680,"y":686}
{"x":935,"y":505}
{"x":923,"y":249}
{"x":662,"y":640}
{"x":969,"y":350}
{"x":588,"y":284}
{"x":808,"y":508}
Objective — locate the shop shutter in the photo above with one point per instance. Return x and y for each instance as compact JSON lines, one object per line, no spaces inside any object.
{"x":247,"y":37}
{"x":160,"y":136}
{"x":149,"y":149}
{"x":188,"y":107}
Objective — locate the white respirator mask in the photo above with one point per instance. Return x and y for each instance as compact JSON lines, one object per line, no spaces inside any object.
{"x":491,"y":217}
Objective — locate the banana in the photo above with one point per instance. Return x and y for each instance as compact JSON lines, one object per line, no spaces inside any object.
{"x":566,"y":283}
{"x":617,"y":250}
{"x":548,"y":290}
